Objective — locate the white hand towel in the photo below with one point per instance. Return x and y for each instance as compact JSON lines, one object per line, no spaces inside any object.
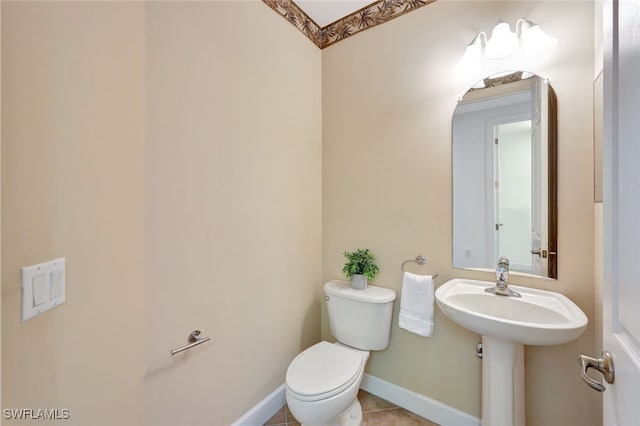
{"x":416,"y":304}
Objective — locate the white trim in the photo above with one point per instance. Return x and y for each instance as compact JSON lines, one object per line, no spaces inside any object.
{"x":418,"y":404}
{"x":264,"y":410}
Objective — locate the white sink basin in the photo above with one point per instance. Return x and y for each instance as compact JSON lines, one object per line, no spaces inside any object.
{"x":507,"y":324}
{"x":537,"y":318}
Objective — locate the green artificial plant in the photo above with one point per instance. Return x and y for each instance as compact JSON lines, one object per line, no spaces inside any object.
{"x":360,"y":262}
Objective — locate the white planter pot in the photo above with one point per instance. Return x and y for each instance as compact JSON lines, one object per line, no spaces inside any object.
{"x":359,"y":282}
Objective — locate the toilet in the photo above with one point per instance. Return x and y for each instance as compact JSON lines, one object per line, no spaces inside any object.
{"x":322,"y":382}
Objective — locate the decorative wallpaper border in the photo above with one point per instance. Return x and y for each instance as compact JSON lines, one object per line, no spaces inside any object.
{"x":296,"y":16}
{"x":369,"y":16}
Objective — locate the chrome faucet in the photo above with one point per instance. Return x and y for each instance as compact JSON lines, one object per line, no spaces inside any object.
{"x":502,"y":275}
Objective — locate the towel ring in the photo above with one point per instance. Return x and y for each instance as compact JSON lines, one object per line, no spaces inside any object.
{"x":420,"y":260}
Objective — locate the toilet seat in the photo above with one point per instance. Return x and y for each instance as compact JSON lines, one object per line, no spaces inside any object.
{"x":322,"y":371}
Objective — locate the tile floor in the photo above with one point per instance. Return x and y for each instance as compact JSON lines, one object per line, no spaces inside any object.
{"x":375,"y":412}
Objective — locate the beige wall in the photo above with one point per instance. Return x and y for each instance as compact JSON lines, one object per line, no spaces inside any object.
{"x":161,"y":153}
{"x":172,"y":153}
{"x":233,"y":186}
{"x":388,"y":97}
{"x":72,"y":186}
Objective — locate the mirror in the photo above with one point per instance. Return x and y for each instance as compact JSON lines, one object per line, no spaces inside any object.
{"x":505,"y":175}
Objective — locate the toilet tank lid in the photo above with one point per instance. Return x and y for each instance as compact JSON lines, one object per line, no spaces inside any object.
{"x":372,"y":294}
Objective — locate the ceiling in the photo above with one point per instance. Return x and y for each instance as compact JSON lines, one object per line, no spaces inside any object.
{"x":325,"y":12}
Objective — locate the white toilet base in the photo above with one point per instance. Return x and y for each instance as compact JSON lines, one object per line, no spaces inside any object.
{"x":352,"y":416}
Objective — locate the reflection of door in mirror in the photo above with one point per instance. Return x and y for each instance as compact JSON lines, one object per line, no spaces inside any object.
{"x":504,"y":176}
{"x":540,"y":172}
{"x":513,"y":195}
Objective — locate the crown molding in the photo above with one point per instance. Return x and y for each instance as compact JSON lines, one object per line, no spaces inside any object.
{"x":367,"y":17}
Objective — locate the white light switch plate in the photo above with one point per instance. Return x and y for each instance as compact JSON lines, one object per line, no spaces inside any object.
{"x":43,"y":287}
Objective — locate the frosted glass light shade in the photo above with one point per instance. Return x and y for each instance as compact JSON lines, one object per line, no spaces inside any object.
{"x":472,"y":53}
{"x":536,"y":41}
{"x":503,"y":42}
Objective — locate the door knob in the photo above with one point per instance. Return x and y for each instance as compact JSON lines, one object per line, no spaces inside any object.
{"x":540,"y":252}
{"x":604,"y":365}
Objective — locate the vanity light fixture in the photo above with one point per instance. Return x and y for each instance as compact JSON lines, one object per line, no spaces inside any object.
{"x":504,"y":42}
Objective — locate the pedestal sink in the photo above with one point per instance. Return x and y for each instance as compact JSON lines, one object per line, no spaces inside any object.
{"x":506,"y":324}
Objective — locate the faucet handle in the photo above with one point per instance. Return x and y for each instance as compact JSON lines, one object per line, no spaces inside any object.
{"x":502,"y":274}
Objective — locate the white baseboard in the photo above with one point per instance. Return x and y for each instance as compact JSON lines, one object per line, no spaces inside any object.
{"x":419,"y":404}
{"x":264,"y":410}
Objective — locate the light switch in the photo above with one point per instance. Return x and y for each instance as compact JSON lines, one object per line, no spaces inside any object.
{"x":40,"y":290}
{"x":57,"y":284}
{"x":43,"y":288}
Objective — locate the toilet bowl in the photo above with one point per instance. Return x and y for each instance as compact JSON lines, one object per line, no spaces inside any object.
{"x":322,"y":385}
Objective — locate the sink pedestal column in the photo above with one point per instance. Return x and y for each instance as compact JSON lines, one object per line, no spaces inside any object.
{"x":502,"y":382}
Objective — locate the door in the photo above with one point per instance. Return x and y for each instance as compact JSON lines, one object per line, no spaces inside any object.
{"x":621,"y":198}
{"x":540,"y":175}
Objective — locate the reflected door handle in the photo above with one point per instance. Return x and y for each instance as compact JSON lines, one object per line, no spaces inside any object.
{"x":604,"y":365}
{"x":540,"y":252}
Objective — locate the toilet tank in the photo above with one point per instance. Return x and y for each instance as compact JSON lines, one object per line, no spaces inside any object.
{"x":360,"y":318}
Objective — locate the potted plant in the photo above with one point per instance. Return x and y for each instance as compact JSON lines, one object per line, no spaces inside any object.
{"x":360,"y":267}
